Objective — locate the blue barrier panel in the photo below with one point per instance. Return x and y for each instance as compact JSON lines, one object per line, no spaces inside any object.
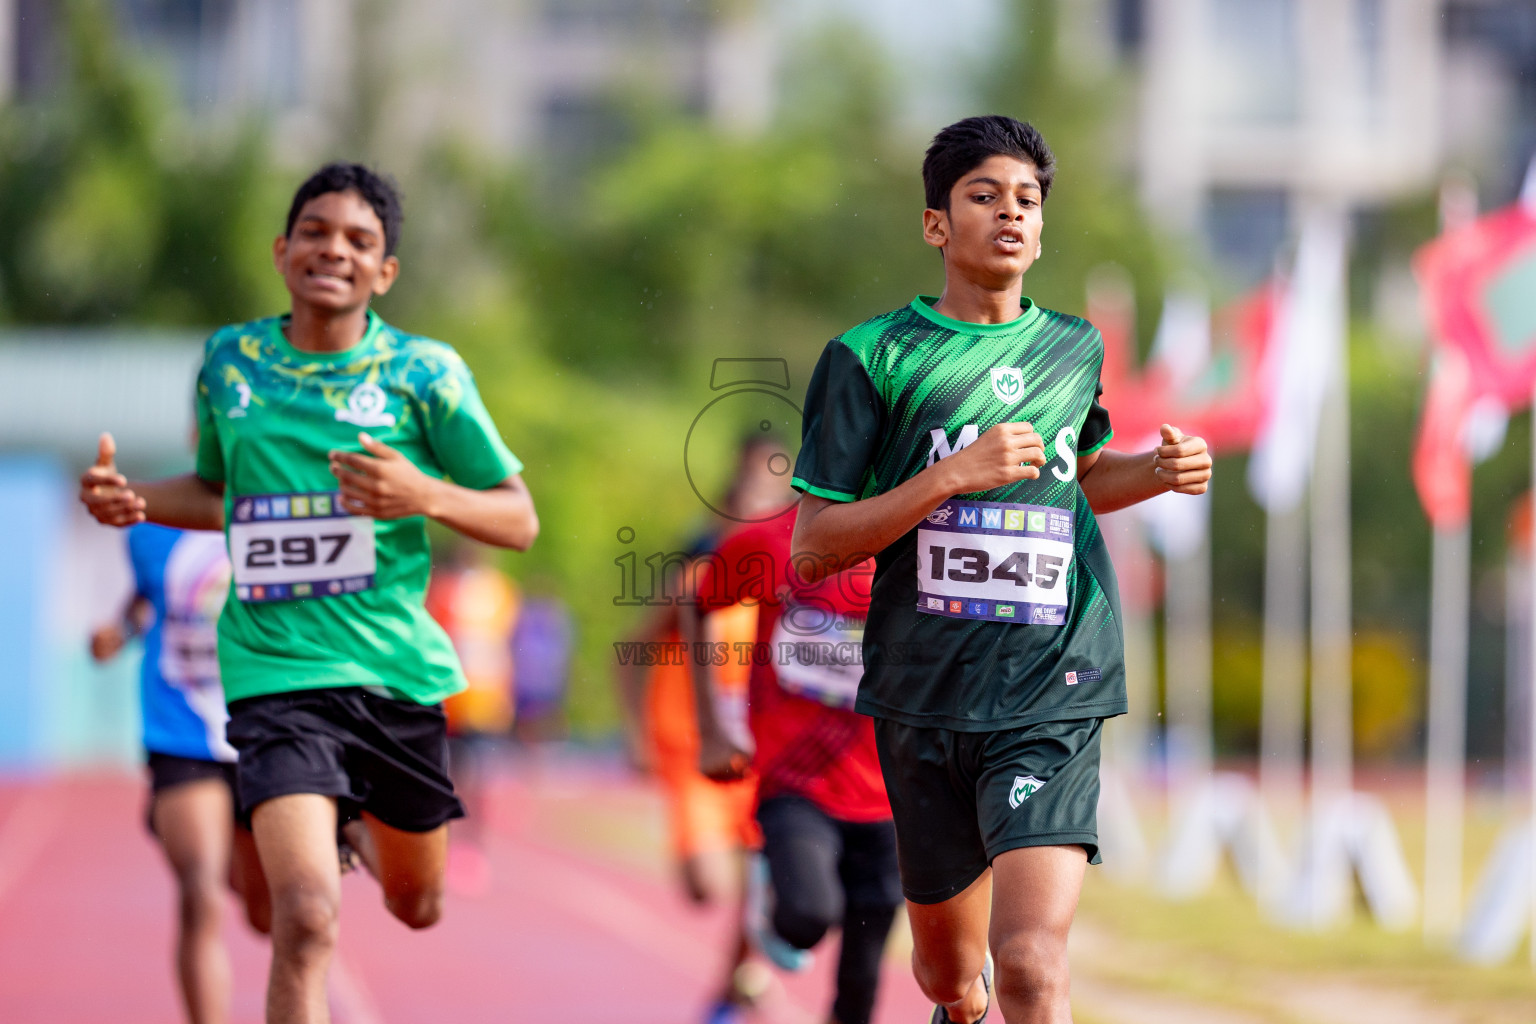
{"x":32,"y":517}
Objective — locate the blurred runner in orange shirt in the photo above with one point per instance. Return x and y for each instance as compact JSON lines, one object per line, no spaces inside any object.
{"x":477,"y":605}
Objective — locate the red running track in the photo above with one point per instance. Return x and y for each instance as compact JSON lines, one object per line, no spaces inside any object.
{"x":580,"y":921}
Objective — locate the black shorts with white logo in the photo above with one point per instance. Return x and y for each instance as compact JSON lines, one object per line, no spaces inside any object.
{"x":372,"y":753}
{"x":962,"y":798}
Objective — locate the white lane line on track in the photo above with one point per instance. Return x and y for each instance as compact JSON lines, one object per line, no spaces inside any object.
{"x":25,"y":833}
{"x":585,"y":894}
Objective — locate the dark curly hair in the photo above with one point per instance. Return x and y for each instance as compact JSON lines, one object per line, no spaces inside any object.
{"x":379,"y":190}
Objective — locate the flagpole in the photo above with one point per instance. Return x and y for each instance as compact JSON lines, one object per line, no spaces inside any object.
{"x":1517,"y":652}
{"x":1445,"y":768}
{"x":1187,"y":666}
{"x":1332,"y":640}
{"x":1284,"y":670}
{"x":1449,"y":621}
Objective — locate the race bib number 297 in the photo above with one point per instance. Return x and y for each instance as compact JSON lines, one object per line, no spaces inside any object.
{"x":285,"y":547}
{"x":994,"y":561}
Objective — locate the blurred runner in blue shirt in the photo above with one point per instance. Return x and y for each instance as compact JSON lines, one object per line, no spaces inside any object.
{"x":180,"y":582}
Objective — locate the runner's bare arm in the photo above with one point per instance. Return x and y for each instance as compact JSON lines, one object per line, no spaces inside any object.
{"x":630,"y":677}
{"x":836,"y":535}
{"x":1113,"y":480}
{"x":108,"y":641}
{"x":187,"y":502}
{"x":719,"y":758}
{"x":385,"y":484}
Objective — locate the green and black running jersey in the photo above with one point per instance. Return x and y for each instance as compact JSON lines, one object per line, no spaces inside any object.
{"x":321,"y":597}
{"x":1000,"y":609}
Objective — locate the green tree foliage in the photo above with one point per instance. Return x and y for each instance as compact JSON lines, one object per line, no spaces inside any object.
{"x":111,"y":210}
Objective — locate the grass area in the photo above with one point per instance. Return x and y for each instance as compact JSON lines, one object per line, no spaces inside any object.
{"x":1220,"y":948}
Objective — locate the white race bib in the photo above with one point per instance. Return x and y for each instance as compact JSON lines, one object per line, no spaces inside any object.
{"x":189,"y":653}
{"x":826,"y":665}
{"x":994,"y":561}
{"x":285,"y":547}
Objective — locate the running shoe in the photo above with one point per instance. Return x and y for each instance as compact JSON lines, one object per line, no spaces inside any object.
{"x":346,"y":853}
{"x":348,"y":857}
{"x":757,"y":920}
{"x":941,"y":1017}
{"x":726,"y":1012}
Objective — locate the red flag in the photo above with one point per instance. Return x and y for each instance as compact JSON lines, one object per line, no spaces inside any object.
{"x":1226,"y":404}
{"x":1479,"y":285}
{"x":1442,"y":471}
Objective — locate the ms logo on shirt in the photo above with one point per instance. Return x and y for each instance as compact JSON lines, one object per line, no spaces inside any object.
{"x":1007,"y":384}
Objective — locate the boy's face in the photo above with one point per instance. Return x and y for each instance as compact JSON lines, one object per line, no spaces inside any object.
{"x":334,"y":259}
{"x":991,"y":232}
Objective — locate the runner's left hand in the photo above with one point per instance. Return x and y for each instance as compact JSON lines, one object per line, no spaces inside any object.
{"x":383,"y":483}
{"x":1182,"y":464}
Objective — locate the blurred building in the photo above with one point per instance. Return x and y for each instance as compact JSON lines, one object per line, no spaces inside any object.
{"x":1251,"y":107}
{"x":513,"y":76}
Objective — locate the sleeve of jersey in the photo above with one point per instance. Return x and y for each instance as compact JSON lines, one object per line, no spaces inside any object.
{"x":730,"y":568}
{"x":461,"y":433}
{"x":138,"y":558}
{"x":1096,"y":431}
{"x":844,"y":421}
{"x":210,"y":457}
{"x":718,"y":585}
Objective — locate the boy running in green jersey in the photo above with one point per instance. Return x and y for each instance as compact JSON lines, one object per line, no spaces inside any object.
{"x":327,"y":439}
{"x":961,"y":438}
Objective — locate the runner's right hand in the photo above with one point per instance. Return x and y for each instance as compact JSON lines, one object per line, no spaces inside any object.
{"x":1005,"y":454}
{"x":107,"y":641}
{"x":720,"y":759}
{"x":105,"y":492}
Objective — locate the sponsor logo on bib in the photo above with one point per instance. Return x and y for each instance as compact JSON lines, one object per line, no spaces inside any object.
{"x":1007,"y":384}
{"x":1024,"y":787}
{"x":365,"y":407}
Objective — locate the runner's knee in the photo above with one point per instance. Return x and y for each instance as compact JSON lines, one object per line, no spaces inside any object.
{"x":802,"y":920}
{"x":949,"y":981}
{"x":1031,"y":967}
{"x":304,"y":919}
{"x":200,"y":899}
{"x":416,"y":907}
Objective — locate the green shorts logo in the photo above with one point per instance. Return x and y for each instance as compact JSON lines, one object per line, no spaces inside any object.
{"x":1024,"y":787}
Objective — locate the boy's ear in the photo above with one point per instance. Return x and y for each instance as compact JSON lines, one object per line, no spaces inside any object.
{"x":936,"y":228}
{"x":388,"y":271}
{"x":279,"y":251}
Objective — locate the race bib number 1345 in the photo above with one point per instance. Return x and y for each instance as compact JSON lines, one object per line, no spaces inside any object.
{"x":994,"y":561}
{"x":285,"y":547}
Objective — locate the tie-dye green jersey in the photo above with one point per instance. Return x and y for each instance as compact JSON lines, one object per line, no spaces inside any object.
{"x":1000,"y":608}
{"x":320,"y":597}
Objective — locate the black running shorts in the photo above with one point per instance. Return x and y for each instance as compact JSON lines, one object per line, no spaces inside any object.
{"x":962,"y":798}
{"x":167,"y":771}
{"x":376,"y":754}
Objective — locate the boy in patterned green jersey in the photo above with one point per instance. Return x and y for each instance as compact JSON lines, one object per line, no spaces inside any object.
{"x":327,"y":439}
{"x":961,"y":440}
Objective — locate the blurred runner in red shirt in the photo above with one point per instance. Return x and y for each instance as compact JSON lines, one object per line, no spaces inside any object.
{"x":829,"y":846}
